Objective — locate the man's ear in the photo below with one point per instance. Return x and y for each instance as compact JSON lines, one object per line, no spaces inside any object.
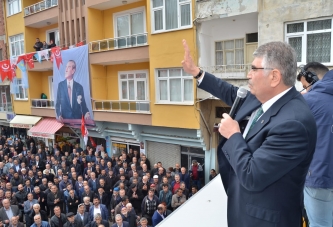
{"x":276,"y":77}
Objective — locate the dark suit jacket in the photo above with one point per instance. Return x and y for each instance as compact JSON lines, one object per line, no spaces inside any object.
{"x":85,"y":218}
{"x":156,"y":218}
{"x":125,"y":224}
{"x":104,"y":222}
{"x":63,"y":107}
{"x":104,"y":212}
{"x":3,"y":214}
{"x":264,"y":174}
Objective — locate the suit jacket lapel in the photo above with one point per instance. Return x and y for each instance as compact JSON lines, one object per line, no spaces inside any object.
{"x":250,"y":104}
{"x":272,"y":111}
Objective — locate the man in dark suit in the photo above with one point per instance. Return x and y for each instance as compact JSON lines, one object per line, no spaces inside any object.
{"x":120,"y":222}
{"x":158,"y":215}
{"x":55,"y":198}
{"x":263,"y":169}
{"x":71,"y":103}
{"x":6,"y":207}
{"x":82,"y":215}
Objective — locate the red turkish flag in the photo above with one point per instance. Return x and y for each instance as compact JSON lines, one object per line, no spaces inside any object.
{"x":28,"y":58}
{"x":84,"y":131}
{"x":79,"y":44}
{"x":57,"y":55}
{"x":64,"y":48}
{"x":20,"y":58}
{"x":6,"y":70}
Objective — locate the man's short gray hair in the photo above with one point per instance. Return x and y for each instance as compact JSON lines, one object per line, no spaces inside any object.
{"x":118,"y":216}
{"x":36,"y":205}
{"x":97,"y":215}
{"x":281,"y":56}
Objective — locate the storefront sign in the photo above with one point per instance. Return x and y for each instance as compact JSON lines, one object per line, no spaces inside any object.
{"x":119,"y":145}
{"x":41,"y":134}
{"x":15,"y":125}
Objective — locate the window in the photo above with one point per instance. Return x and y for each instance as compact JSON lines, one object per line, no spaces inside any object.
{"x":23,"y":92}
{"x":16,"y":45}
{"x":312,"y":40}
{"x":230,"y":53}
{"x":133,"y":85}
{"x":171,"y":15}
{"x":14,"y":7}
{"x":1,"y":55}
{"x":174,"y":85}
{"x":130,"y":28}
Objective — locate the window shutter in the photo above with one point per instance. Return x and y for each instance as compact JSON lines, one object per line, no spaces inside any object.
{"x":168,"y":154}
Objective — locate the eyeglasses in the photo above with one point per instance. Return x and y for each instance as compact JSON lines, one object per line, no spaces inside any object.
{"x":253,"y":68}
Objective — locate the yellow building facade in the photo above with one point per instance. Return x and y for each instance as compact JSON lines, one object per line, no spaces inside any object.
{"x":139,"y":92}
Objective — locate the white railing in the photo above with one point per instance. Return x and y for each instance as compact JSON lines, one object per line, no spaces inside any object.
{"x":42,"y":103}
{"x":118,"y":43}
{"x":122,"y":106}
{"x":39,"y":6}
{"x":236,"y":71}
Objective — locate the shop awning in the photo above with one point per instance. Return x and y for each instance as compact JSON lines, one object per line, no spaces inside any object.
{"x":24,"y":121}
{"x":46,"y":128}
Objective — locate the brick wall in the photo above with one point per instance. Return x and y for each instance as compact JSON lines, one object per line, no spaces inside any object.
{"x":3,"y":45}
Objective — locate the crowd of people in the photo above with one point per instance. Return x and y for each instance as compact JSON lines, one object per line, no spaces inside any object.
{"x":86,"y":188}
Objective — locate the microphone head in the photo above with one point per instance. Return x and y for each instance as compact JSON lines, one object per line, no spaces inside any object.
{"x":242,"y":92}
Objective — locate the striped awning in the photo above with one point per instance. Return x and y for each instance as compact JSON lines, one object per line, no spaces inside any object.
{"x":46,"y":128}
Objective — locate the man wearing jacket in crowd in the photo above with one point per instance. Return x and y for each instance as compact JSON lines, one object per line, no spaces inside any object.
{"x":318,"y":189}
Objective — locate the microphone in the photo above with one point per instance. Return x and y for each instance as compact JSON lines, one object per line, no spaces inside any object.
{"x":241,"y":94}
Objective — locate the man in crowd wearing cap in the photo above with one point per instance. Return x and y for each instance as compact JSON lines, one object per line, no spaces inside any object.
{"x":58,"y":219}
{"x":115,"y":200}
{"x":98,"y":208}
{"x":38,"y":222}
{"x":120,"y":222}
{"x":81,"y":215}
{"x":71,"y":221}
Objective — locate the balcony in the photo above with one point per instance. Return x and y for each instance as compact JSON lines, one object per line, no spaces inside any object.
{"x":41,"y":14}
{"x":42,"y":107}
{"x":107,"y":4}
{"x":127,"y":49}
{"x":234,"y":74}
{"x":237,"y":71}
{"x":122,"y":111}
{"x":42,"y":103}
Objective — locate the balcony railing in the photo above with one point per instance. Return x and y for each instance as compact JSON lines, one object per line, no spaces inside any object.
{"x":40,"y":6}
{"x":42,"y":103}
{"x":122,"y":106}
{"x":118,"y":43}
{"x":236,"y":71}
{"x":8,"y":107}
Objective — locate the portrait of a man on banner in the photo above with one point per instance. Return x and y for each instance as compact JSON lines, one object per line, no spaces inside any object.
{"x":72,"y":88}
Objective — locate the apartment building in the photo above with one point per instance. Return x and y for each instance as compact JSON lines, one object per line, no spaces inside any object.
{"x":228,"y":32}
{"x":141,"y":98}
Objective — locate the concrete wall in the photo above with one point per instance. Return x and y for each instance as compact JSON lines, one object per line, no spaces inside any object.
{"x":223,"y":29}
{"x":274,"y":14}
{"x":207,"y":10}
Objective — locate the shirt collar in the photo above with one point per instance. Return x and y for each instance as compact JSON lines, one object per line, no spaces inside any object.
{"x":270,"y":102}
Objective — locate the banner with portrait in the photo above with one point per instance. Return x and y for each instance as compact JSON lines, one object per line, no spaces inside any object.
{"x":71,"y":86}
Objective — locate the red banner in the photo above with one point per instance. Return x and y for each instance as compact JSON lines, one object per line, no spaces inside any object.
{"x":6,"y":70}
{"x":57,"y":55}
{"x":28,"y":58}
